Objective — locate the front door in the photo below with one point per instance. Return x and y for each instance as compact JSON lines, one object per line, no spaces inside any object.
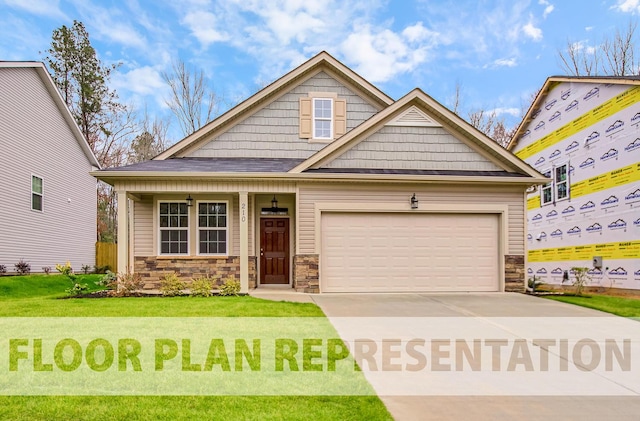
{"x":274,"y":250}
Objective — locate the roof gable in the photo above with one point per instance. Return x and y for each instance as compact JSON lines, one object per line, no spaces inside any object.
{"x":323,"y":62}
{"x":422,"y":117}
{"x":44,"y":76}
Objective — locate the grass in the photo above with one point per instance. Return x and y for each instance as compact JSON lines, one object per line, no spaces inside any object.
{"x":40,"y":296}
{"x":624,"y":307}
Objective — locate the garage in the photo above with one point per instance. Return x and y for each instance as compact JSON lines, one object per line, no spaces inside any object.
{"x":409,"y":252}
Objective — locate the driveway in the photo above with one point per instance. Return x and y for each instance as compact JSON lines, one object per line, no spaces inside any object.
{"x":552,"y":394}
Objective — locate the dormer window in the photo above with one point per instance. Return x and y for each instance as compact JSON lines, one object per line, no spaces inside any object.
{"x":323,"y":117}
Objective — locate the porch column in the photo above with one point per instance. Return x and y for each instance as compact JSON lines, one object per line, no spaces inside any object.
{"x":244,"y":242}
{"x":123,"y":232}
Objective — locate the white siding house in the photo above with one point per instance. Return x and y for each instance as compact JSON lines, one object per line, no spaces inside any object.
{"x":48,"y":206}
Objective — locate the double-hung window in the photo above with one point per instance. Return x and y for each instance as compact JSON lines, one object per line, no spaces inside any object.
{"x":174,"y":228}
{"x":37,"y":193}
{"x":323,"y":118}
{"x":213,"y":223}
{"x":558,"y":188}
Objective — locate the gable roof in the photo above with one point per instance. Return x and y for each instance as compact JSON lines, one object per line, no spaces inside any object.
{"x":551,"y":83}
{"x":321,"y":62}
{"x":420,"y":106}
{"x":44,"y":75}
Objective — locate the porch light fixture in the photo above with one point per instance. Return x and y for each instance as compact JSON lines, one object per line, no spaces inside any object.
{"x":414,"y":202}
{"x":274,"y":202}
{"x":189,"y":200}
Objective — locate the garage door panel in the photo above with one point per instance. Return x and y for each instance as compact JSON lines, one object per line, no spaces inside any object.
{"x":365,"y":252}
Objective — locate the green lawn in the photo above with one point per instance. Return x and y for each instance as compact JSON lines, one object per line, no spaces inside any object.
{"x":40,"y":296}
{"x":624,"y":307}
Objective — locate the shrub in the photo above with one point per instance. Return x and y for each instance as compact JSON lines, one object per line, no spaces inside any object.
{"x":3,"y":269}
{"x":64,"y":269}
{"x":581,"y":278}
{"x":85,"y":269}
{"x":125,"y":285}
{"x":230,"y":287}
{"x":101,"y":269}
{"x":171,"y":285}
{"x":108,"y":280}
{"x":46,"y":269}
{"x":22,"y":267}
{"x":77,"y":289}
{"x":201,"y":287}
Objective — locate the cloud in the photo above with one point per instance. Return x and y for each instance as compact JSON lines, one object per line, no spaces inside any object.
{"x":503,"y":62}
{"x":203,"y":26}
{"x":515,"y":112}
{"x":548,"y":9}
{"x":628,"y":6}
{"x":141,"y":82}
{"x":532,"y":32}
{"x":48,"y":8}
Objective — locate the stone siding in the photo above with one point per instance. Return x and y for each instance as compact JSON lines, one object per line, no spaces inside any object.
{"x":514,"y":273}
{"x":305,"y":273}
{"x":152,"y":269}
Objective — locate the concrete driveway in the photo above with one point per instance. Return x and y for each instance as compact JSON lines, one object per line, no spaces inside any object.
{"x":565,"y":402}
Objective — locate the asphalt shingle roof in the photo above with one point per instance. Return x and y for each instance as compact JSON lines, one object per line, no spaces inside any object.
{"x":229,"y":165}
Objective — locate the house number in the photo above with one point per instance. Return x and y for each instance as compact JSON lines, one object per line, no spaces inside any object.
{"x":244,"y":212}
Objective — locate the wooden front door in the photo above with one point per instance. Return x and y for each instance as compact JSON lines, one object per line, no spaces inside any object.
{"x":274,"y":251}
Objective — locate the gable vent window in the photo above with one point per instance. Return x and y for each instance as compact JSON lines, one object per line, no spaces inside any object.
{"x":37,"y":192}
{"x":323,"y":117}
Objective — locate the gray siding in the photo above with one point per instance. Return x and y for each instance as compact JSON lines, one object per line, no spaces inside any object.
{"x":272,"y":132}
{"x":35,"y":139}
{"x":310,"y":195}
{"x":143,"y":228}
{"x":419,"y":148}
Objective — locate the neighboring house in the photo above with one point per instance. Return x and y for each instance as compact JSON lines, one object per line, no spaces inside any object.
{"x":584,"y":134}
{"x":323,"y":183}
{"x":48,"y":207}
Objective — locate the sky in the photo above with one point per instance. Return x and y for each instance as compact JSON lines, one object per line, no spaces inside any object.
{"x":499,"y":52}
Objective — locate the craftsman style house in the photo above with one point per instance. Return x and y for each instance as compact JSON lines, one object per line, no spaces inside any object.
{"x":323,"y":183}
{"x":584,"y":134}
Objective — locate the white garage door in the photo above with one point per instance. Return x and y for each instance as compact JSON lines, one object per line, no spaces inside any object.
{"x":401,"y":252}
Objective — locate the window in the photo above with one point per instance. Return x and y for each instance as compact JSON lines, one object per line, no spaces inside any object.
{"x":36,"y":193}
{"x":322,"y":118}
{"x":558,"y":188}
{"x":212,"y":227}
{"x":174,"y":228}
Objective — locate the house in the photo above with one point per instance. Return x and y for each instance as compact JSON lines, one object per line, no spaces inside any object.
{"x":583,"y":133}
{"x":48,"y":211}
{"x":323,"y":183}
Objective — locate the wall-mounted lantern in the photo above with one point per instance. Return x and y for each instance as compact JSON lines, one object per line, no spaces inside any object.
{"x":414,"y":202}
{"x":189,"y":200}
{"x":274,"y":202}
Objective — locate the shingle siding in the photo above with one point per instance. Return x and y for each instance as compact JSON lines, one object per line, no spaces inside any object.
{"x":272,"y":132}
{"x":419,"y":148}
{"x":35,"y":139}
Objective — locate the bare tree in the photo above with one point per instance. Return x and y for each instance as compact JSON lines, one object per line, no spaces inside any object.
{"x":150,"y":142}
{"x":615,"y":56}
{"x":192,"y":102}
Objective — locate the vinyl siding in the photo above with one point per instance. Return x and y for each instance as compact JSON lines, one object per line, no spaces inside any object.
{"x":419,"y":148}
{"x":310,"y":195}
{"x":272,"y":132}
{"x":35,"y":139}
{"x":143,"y":228}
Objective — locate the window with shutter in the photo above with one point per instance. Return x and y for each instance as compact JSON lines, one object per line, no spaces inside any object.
{"x":323,"y":117}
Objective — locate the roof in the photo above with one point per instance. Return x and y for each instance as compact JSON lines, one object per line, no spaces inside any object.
{"x":41,"y":70}
{"x":552,"y":82}
{"x":321,"y":62}
{"x":451,"y":121}
{"x":454,"y":173}
{"x":226,"y":165}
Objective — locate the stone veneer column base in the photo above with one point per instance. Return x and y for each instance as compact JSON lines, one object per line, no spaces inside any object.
{"x":514,"y":273}
{"x":305,"y":273}
{"x":152,"y":269}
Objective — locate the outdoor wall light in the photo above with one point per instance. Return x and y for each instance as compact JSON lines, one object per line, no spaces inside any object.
{"x":414,"y":202}
{"x":189,"y":200}
{"x":274,"y":202}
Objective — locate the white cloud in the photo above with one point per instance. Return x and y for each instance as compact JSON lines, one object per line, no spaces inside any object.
{"x":514,"y":112}
{"x":203,"y":26}
{"x":47,"y":8}
{"x":588,"y":28}
{"x":532,"y":32}
{"x":628,"y":6}
{"x":503,"y":62}
{"x":139,"y":83}
{"x":548,"y":9}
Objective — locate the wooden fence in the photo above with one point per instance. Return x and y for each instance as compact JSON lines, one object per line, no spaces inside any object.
{"x":107,"y":255}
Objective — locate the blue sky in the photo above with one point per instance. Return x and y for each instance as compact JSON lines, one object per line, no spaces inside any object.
{"x":499,"y":52}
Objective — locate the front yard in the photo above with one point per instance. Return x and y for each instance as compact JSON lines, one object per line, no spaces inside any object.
{"x":620,"y":306}
{"x":40,"y":296}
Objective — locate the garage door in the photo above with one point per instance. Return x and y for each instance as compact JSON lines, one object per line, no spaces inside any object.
{"x":402,"y":252}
